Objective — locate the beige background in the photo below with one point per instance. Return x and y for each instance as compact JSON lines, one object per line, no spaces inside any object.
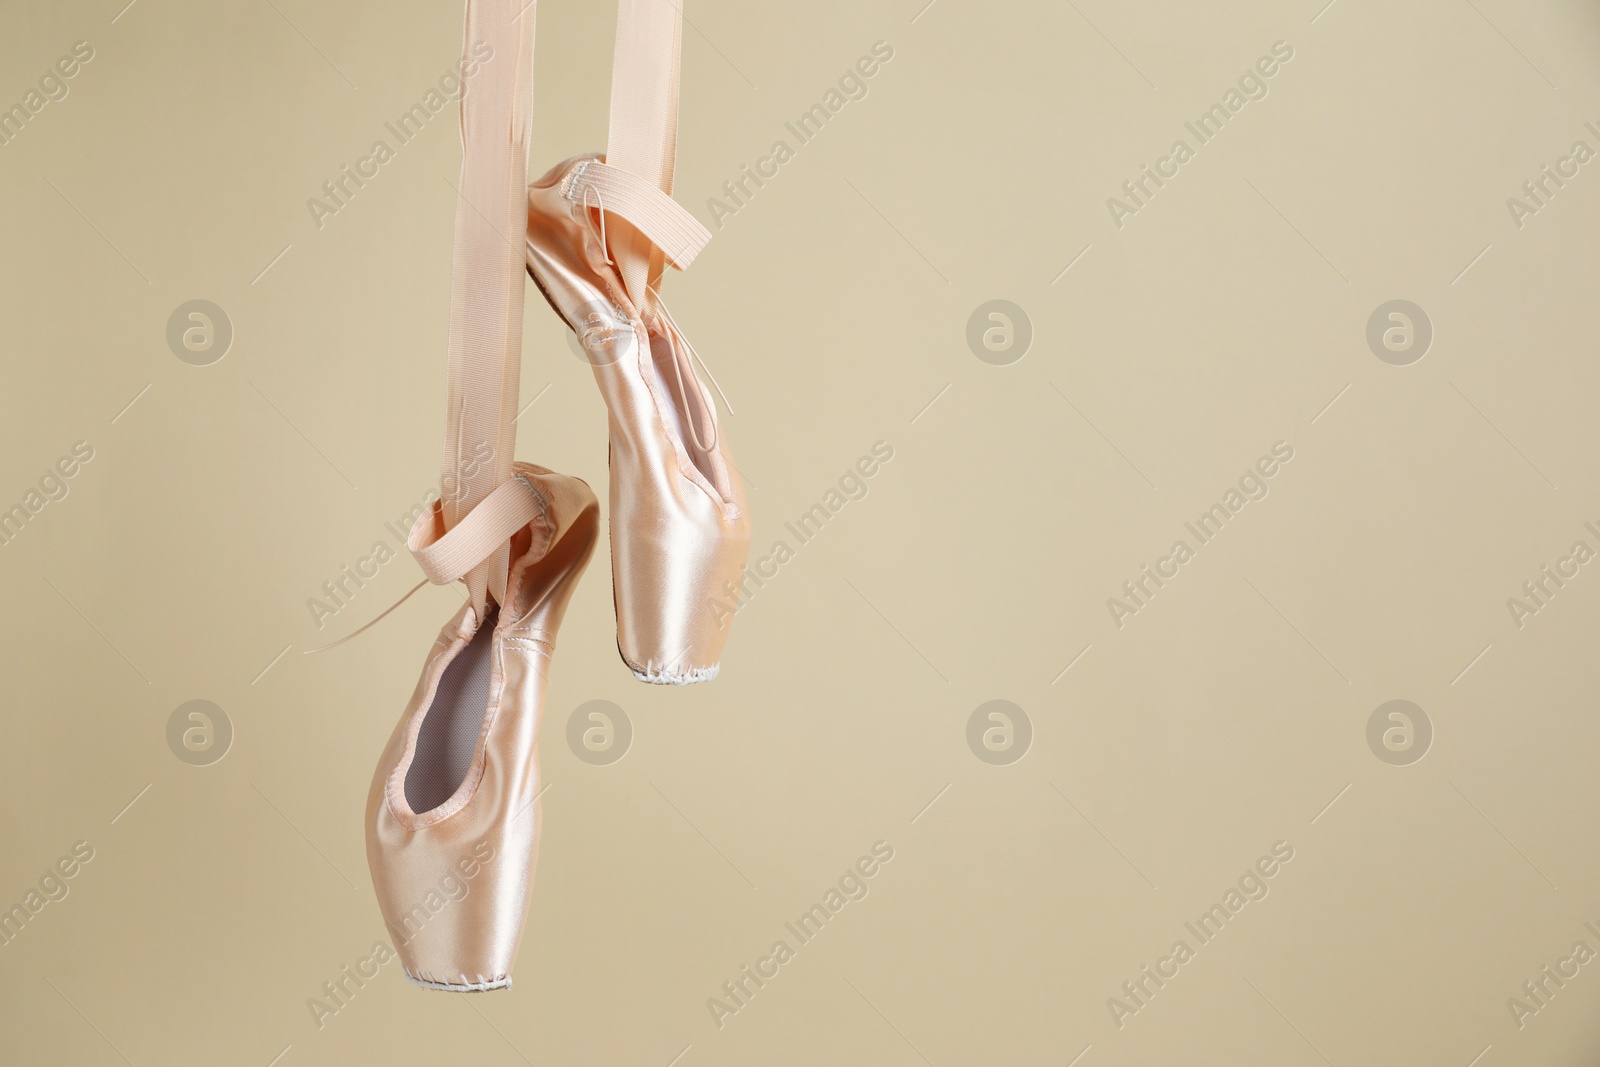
{"x":1230,"y":714}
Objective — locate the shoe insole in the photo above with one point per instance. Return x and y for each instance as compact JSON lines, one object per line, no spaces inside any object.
{"x":449,"y":733}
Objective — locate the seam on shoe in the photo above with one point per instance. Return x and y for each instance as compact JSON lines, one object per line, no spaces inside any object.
{"x":502,"y":637}
{"x":726,"y":506}
{"x":530,"y":645}
{"x":617,"y":295}
{"x":668,"y":676}
{"x":527,"y":475}
{"x":430,"y":981}
{"x":574,"y":176}
{"x":691,"y":677}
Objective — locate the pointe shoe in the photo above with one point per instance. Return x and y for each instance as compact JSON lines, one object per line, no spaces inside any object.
{"x":680,"y":532}
{"x":452,"y":834}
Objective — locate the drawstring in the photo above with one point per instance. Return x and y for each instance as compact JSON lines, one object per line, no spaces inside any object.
{"x":683,"y":368}
{"x":450,"y":556}
{"x":601,"y":207}
{"x":680,"y":364}
{"x":368,"y":626}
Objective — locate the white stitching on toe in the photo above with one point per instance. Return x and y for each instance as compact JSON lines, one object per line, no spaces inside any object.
{"x":665,"y":676}
{"x":428,"y":980}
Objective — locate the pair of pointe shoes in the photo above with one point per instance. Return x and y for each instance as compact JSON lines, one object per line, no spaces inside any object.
{"x":452,"y":827}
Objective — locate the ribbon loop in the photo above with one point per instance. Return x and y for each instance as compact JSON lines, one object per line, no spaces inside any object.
{"x":643,"y":139}
{"x":486,"y":277}
{"x":447,"y":555}
{"x":668,"y":225}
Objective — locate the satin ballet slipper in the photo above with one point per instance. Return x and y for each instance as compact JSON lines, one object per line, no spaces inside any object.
{"x":452,"y":831}
{"x":680,"y":532}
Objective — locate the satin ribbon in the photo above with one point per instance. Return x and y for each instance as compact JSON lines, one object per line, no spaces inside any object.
{"x":643,"y":139}
{"x":467,"y":534}
{"x":447,"y":556}
{"x":487,"y":281}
